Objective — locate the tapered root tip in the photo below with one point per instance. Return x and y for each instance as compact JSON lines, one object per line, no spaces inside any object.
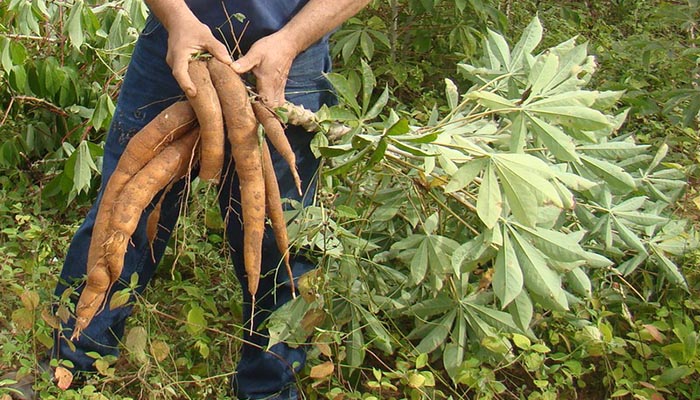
{"x":297,"y":181}
{"x":252,"y":313}
{"x":76,"y":331}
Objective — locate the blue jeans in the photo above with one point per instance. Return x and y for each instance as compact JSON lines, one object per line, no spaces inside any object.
{"x":148,"y":88}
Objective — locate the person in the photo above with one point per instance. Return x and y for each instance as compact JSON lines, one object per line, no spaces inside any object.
{"x":284,"y":44}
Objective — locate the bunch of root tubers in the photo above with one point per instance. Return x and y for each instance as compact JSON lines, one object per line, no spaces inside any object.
{"x":164,"y":151}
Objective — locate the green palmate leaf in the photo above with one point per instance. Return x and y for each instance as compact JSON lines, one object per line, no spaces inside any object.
{"x":356,"y":344}
{"x":559,"y":143}
{"x":82,"y":167}
{"x":383,"y":339}
{"x":567,"y":198}
{"x":465,"y":174}
{"x":579,"y":98}
{"x":491,"y":100}
{"x":538,"y":277}
{"x":501,"y":321}
{"x":345,"y":90}
{"x":530,"y":38}
{"x":282,"y":325}
{"x":416,"y":151}
{"x":640,"y":218}
{"x":555,"y":245}
{"x":669,"y":268}
{"x":575,"y":182}
{"x":335,"y":150}
{"x":346,"y":165}
{"x":521,"y":309}
{"x":437,"y":334}
{"x":521,"y":170}
{"x":631,"y":264}
{"x":467,"y":256}
{"x":378,"y":106}
{"x":628,"y":236}
{"x":518,"y":133}
{"x":577,"y":117}
{"x":520,"y":198}
{"x":615,"y":176}
{"x":530,"y":163}
{"x":452,"y":94}
{"x":660,"y":155}
{"x":349,"y":44}
{"x":579,"y":282}
{"x":441,"y":304}
{"x":368,"y":84}
{"x":489,"y":203}
{"x":74,"y":24}
{"x":630,"y":204}
{"x":507,"y":280}
{"x":453,"y":356}
{"x":497,"y":47}
{"x":419,"y":264}
{"x":542,"y":73}
{"x":104,"y":109}
{"x":367,"y":45}
{"x":573,"y":60}
{"x":400,"y":127}
{"x":614,"y":150}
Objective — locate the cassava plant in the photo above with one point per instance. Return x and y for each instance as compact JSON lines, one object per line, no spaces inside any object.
{"x":521,"y":197}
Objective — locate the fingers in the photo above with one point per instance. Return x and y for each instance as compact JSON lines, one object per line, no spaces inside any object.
{"x":219,"y":51}
{"x":179,"y":64}
{"x":186,"y":40}
{"x":246,"y":63}
{"x":270,"y":67}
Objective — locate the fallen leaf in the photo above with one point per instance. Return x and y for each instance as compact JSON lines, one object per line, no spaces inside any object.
{"x":697,"y":202}
{"x":485,"y":280}
{"x":160,"y":350}
{"x":30,"y":300}
{"x":654,"y":332}
{"x":63,"y":378}
{"x":324,"y":348}
{"x":50,"y":319}
{"x":313,"y":318}
{"x":322,"y":370}
{"x":647,"y":385}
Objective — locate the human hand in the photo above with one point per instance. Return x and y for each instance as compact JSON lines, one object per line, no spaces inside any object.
{"x":185,"y":39}
{"x":270,"y":59}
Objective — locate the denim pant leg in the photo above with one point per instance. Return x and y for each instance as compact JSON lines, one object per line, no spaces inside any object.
{"x":271,"y":374}
{"x":147,"y":89}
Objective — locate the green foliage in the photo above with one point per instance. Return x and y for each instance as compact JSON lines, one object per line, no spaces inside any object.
{"x":501,"y":233}
{"x":516,"y":195}
{"x":60,"y":68}
{"x":412,"y":44}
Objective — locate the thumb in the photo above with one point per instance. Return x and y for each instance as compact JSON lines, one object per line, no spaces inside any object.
{"x":245,"y":64}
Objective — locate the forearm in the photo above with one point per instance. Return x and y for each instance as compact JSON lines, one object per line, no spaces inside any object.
{"x":316,"y":19}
